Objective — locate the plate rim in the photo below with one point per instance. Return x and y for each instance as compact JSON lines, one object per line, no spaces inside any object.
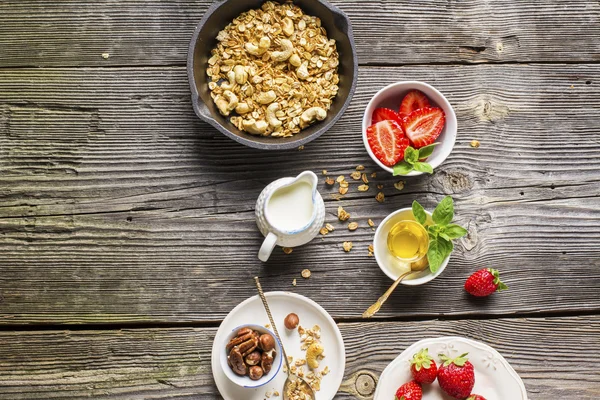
{"x":472,"y":342}
{"x":326,"y":315}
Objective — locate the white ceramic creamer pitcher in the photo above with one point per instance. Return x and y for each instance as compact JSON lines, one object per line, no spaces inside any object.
{"x":289,"y":212}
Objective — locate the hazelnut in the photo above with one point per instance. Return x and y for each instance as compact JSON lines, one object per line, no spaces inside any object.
{"x":291,"y":321}
{"x":256,"y":373}
{"x":253,"y":358}
{"x":266,"y":342}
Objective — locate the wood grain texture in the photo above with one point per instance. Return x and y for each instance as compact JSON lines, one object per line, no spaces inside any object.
{"x":175,"y":363}
{"x":117,"y":205}
{"x":144,"y":32}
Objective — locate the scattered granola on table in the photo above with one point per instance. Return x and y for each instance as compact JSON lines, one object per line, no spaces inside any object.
{"x":274,"y":71}
{"x":347,"y":246}
{"x":306,"y":273}
{"x":352,"y":226}
{"x":380,"y":197}
{"x":399,"y":185}
{"x":342,"y":214}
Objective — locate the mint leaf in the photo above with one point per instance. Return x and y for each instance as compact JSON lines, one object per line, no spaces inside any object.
{"x":426,"y":151}
{"x":423,"y":167}
{"x":444,"y":212}
{"x":411,"y":155}
{"x":419,"y":212}
{"x":439,"y":249}
{"x":402,"y":168}
{"x":443,"y":235}
{"x":454,"y":231}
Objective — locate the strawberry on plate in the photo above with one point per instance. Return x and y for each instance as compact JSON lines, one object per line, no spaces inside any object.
{"x":423,"y":368}
{"x":484,"y":282}
{"x":413,"y":101}
{"x":409,"y":391}
{"x":385,"y":114}
{"x":475,"y":397}
{"x":456,"y":376}
{"x":424,"y":125}
{"x":387,"y":142}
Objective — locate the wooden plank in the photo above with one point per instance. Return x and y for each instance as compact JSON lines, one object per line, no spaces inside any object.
{"x":143,"y":32}
{"x":116,"y":204}
{"x":552,"y":356}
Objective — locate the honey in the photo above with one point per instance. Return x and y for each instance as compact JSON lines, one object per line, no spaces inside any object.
{"x":408,"y":241}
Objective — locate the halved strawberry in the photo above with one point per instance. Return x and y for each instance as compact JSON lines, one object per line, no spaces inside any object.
{"x":387,"y":141}
{"x":385,"y":114}
{"x":424,"y":126}
{"x":413,"y":101}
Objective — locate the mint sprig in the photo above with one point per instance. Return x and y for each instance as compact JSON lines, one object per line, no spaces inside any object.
{"x":411,"y":160}
{"x":441,"y":233}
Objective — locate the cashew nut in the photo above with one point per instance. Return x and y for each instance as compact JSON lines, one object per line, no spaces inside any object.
{"x":231,"y":79}
{"x":295,"y":60}
{"x":241,"y":76}
{"x":288,"y":26}
{"x":302,"y":71}
{"x":226,"y":103}
{"x":271,"y":117}
{"x":311,"y":115}
{"x":243,"y":108}
{"x":263,"y":46}
{"x":255,"y":127}
{"x":313,"y":351}
{"x":286,"y":52}
{"x":266,"y":97}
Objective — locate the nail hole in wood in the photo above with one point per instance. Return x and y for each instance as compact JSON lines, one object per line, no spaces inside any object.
{"x":522,"y":193}
{"x":552,"y":186}
{"x":129,"y":219}
{"x":588,"y":82}
{"x":564,"y":252}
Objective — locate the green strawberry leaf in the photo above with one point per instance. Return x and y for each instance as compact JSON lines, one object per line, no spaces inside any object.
{"x":403,"y":168}
{"x":426,"y":151}
{"x":411,"y":155}
{"x":453,"y":231}
{"x":419,"y":212}
{"x":444,"y":212}
{"x":423,"y":167}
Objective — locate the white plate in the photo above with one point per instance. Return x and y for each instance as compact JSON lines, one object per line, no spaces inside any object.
{"x":495,"y":379}
{"x":251,"y":311}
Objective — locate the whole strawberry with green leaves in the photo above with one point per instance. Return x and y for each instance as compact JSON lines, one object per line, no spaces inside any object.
{"x":409,"y":391}
{"x":484,"y":282}
{"x":475,"y":397}
{"x":456,"y":376}
{"x":423,"y":368}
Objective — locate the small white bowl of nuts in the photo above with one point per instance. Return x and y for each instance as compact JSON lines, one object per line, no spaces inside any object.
{"x":251,"y":356}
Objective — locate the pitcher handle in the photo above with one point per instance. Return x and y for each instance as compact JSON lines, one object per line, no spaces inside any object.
{"x":267,"y":247}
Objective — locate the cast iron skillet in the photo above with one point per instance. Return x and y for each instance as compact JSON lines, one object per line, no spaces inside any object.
{"x":221,"y":13}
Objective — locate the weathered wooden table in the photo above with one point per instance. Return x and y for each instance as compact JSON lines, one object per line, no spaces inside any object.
{"x":127,"y":226}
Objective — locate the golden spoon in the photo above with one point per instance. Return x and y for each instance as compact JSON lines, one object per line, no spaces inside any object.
{"x":292,"y":378}
{"x":418,"y":266}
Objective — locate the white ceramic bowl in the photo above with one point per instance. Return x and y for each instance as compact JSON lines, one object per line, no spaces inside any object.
{"x":245,"y":381}
{"x":391,"y":96}
{"x":389,"y":264}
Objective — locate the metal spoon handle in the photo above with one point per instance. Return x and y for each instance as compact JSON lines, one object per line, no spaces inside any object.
{"x":375,"y":307}
{"x":268,"y":310}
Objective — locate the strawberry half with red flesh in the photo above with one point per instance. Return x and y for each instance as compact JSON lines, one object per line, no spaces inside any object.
{"x":484,"y":282}
{"x":385,"y":114}
{"x":456,"y":376}
{"x":424,"y":125}
{"x":409,"y":391}
{"x":475,"y":397}
{"x":423,"y":368}
{"x":413,"y":101}
{"x":387,"y":141}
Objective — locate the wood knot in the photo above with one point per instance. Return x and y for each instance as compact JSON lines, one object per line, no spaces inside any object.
{"x":456,"y":182}
{"x":365,"y":384}
{"x":361,"y":384}
{"x":488,"y":109}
